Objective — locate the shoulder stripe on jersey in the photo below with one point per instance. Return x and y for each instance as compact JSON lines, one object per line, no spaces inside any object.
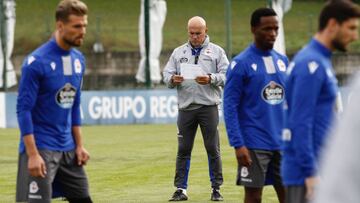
{"x":269,"y":64}
{"x":67,"y":67}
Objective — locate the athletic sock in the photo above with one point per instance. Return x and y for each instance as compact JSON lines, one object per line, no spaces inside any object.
{"x":183,"y":190}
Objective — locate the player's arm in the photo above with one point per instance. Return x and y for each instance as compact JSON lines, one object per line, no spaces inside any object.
{"x":222,"y":63}
{"x":232,"y":97}
{"x":82,"y":154}
{"x":36,"y":164}
{"x":307,"y":84}
{"x":27,"y":95}
{"x":171,"y":75}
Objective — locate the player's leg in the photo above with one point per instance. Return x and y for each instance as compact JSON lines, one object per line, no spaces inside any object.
{"x":36,"y":189}
{"x":253,"y":195}
{"x":73,"y":179}
{"x":187,"y":126}
{"x":280,"y":192}
{"x":275,"y":164}
{"x":209,"y":119}
{"x":253,"y":177}
{"x":295,"y":194}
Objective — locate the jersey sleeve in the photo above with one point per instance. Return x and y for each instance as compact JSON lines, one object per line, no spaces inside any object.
{"x":305,"y":84}
{"x":76,"y":112}
{"x":232,"y":96}
{"x":218,"y":78}
{"x":170,"y":70}
{"x":27,"y":94}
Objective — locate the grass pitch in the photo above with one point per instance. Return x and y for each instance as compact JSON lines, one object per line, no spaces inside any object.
{"x":135,"y":163}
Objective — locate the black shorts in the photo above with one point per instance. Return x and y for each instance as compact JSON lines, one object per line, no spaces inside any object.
{"x":64,"y":178}
{"x":264,"y":170}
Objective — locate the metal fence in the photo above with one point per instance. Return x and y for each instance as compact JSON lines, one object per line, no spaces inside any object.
{"x":113,"y":25}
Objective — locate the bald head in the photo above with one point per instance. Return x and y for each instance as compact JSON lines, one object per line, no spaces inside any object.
{"x":197,"y":31}
{"x":197,"y":21}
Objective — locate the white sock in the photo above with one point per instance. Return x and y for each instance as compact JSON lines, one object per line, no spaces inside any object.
{"x":183,"y":190}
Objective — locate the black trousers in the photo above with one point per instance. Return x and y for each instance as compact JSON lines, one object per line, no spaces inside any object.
{"x":188,"y":121}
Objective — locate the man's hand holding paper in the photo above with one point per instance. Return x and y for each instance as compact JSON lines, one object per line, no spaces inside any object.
{"x":194,"y":72}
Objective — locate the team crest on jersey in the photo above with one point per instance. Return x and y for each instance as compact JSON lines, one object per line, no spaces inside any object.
{"x":33,"y":187}
{"x":184,"y":60}
{"x":281,"y":65}
{"x":208,"y":51}
{"x":77,"y":66}
{"x":65,"y":96}
{"x":244,"y":171}
{"x":273,"y":93}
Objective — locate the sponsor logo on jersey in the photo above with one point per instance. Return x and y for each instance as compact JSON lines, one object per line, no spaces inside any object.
{"x":35,"y":196}
{"x":273,"y":93}
{"x":246,"y":180}
{"x":184,"y":60}
{"x":33,"y":187}
{"x":281,"y":65}
{"x":65,"y":96}
{"x":77,"y":66}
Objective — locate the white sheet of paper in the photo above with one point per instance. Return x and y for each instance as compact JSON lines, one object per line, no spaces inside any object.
{"x":191,"y":71}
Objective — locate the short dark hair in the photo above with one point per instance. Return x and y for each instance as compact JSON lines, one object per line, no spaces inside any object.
{"x":70,"y":7}
{"x":340,"y":10}
{"x":260,"y":12}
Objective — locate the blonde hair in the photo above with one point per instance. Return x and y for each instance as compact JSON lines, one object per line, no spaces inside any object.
{"x":70,"y":7}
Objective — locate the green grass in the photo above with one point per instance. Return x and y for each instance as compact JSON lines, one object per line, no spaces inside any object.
{"x":115,"y":23}
{"x":135,"y":163}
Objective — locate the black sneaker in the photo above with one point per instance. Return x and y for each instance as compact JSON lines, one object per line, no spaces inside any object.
{"x":178,"y":196}
{"x":216,"y":196}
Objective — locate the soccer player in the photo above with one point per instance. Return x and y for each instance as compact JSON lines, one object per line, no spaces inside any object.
{"x":340,"y":182}
{"x":197,"y":70}
{"x":48,"y":108}
{"x":253,"y":108}
{"x":311,"y":91}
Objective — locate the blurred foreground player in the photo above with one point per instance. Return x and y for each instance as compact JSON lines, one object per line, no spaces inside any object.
{"x":52,"y":154}
{"x":311,"y":91}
